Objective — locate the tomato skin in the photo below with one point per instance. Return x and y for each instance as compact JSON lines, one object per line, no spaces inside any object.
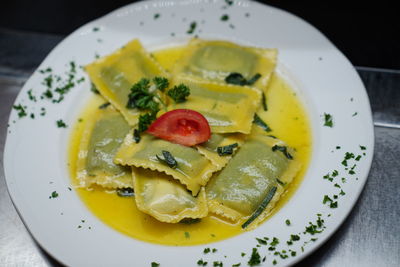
{"x":181,"y":126}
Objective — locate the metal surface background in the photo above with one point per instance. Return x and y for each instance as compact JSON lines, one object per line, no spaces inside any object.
{"x":370,"y":236}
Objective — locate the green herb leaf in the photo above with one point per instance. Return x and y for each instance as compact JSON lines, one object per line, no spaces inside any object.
{"x":125,"y":192}
{"x":179,"y":93}
{"x":168,"y":159}
{"x":328,"y":120}
{"x":226,"y":150}
{"x":264,"y":101}
{"x":141,"y":98}
{"x":190,"y":220}
{"x":260,"y":208}
{"x":145,"y":120}
{"x":54,"y":194}
{"x":288,"y":222}
{"x":258,"y":121}
{"x":136,"y":136}
{"x":192,"y":27}
{"x":61,"y":124}
{"x":156,"y":16}
{"x":104,"y":106}
{"x":161,"y":83}
{"x":238,"y":79}
{"x":283,"y":149}
{"x":255,"y":258}
{"x":201,"y":262}
{"x":21,"y":110}
{"x":224,"y":17}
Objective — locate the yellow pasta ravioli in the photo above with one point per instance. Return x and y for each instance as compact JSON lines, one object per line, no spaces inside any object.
{"x":261,"y":166}
{"x":115,"y":74}
{"x":102,"y":136}
{"x":193,"y":170}
{"x":215,"y":60}
{"x":227,"y":108}
{"x":164,"y":198}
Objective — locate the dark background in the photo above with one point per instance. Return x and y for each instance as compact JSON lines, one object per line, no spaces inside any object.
{"x":367,"y":32}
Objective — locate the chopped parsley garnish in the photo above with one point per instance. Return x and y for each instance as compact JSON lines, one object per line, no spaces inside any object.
{"x":264,"y":101}
{"x":31,"y":96}
{"x":229,"y":2}
{"x":136,"y":135}
{"x":218,"y":264}
{"x":354,"y":114}
{"x":192,"y":27}
{"x":206,"y":250}
{"x":61,"y":124}
{"x":201,"y":262}
{"x":224,"y":17}
{"x":255,"y":258}
{"x":363,"y":148}
{"x":226,"y":150}
{"x":125,"y":192}
{"x":236,"y":265}
{"x":288,"y":222}
{"x":145,"y":120}
{"x":274,"y":262}
{"x":21,"y":110}
{"x":54,"y":194}
{"x":156,"y":16}
{"x":141,"y":98}
{"x":260,"y":208}
{"x":179,"y":93}
{"x":328,"y":120}
{"x":238,"y":79}
{"x":168,"y":159}
{"x":258,"y":121}
{"x":96,"y":29}
{"x":282,"y":149}
{"x":104,"y":106}
{"x":161,"y":83}
{"x":155,"y":264}
{"x":263,"y":241}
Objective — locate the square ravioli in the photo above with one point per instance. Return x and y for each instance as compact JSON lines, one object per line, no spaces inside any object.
{"x":101,"y":138}
{"x":164,"y":198}
{"x":219,"y":102}
{"x":115,"y":74}
{"x":258,"y":169}
{"x":193,"y":169}
{"x":215,"y":60}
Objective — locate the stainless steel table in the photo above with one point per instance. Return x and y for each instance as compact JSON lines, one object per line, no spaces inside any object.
{"x":370,"y":236}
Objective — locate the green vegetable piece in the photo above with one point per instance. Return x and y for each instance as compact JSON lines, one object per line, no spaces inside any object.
{"x":179,"y":93}
{"x":226,"y":150}
{"x":125,"y":192}
{"x":254,"y":79}
{"x":61,"y":124}
{"x":136,"y":136}
{"x":264,"y":101}
{"x":261,"y":208}
{"x":145,"y":120}
{"x":328,"y":120}
{"x":190,"y":220}
{"x":236,"y":79}
{"x":161,"y":83}
{"x":192,"y":27}
{"x":224,"y":17}
{"x":168,"y":159}
{"x":104,"y":106}
{"x":255,"y":258}
{"x":258,"y":121}
{"x":283,"y":149}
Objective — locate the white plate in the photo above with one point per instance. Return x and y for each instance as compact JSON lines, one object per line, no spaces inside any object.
{"x":36,"y":150}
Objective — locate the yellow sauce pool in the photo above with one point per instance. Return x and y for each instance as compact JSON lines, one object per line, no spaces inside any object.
{"x":289,"y":122}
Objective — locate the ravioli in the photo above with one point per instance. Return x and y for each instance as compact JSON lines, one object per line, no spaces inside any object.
{"x":193,"y":170}
{"x":215,"y":60}
{"x":164,"y":198}
{"x":115,"y":74}
{"x":209,"y":148}
{"x":256,"y":169}
{"x":219,"y":102}
{"x":102,"y":136}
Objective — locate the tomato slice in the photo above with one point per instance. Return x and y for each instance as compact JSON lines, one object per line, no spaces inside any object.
{"x":181,"y":126}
